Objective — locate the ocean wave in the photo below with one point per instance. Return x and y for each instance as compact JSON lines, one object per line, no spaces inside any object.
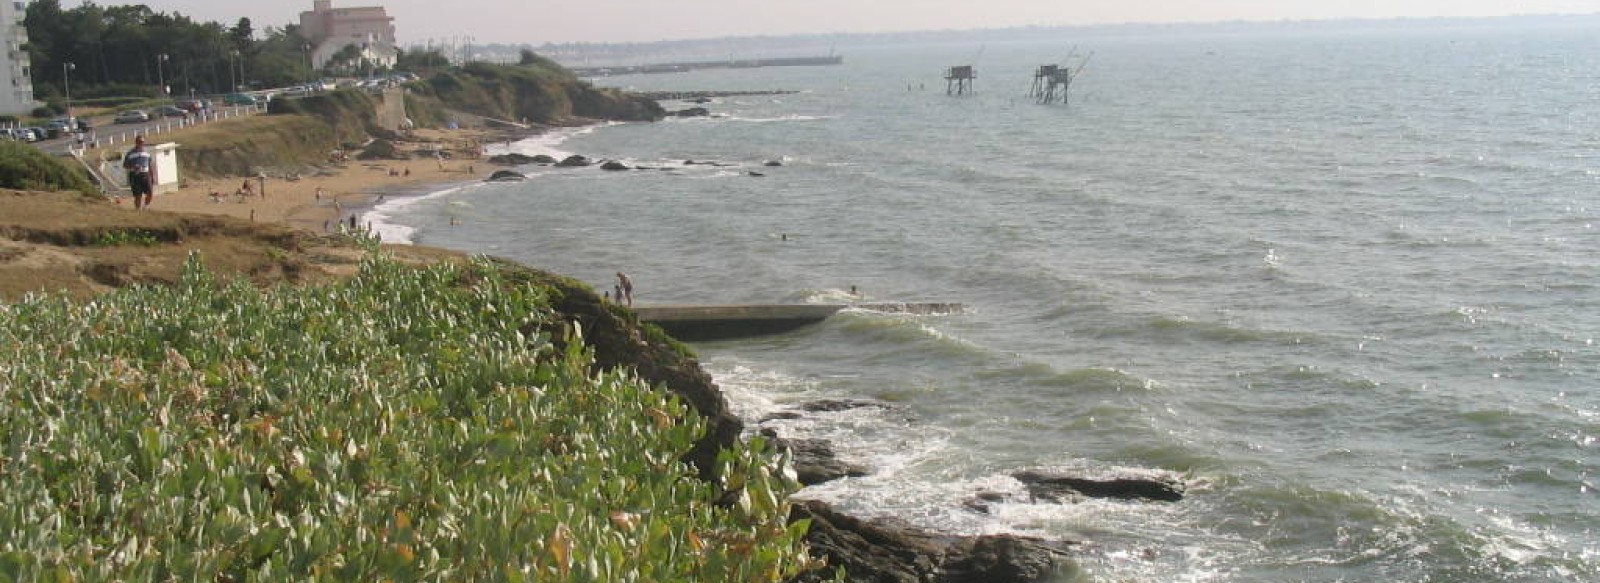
{"x":1173,"y":329}
{"x":383,"y":218}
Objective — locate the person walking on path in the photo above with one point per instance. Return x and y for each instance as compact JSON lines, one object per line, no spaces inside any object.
{"x":627,"y":288}
{"x":137,"y":163}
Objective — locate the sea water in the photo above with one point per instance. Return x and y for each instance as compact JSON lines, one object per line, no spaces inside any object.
{"x":1342,"y":283}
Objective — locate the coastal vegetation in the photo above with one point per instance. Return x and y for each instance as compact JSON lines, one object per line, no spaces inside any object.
{"x":26,"y":168}
{"x":443,"y":422}
{"x":536,"y":90}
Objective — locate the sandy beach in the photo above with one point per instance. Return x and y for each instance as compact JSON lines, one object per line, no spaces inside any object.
{"x":317,"y":201}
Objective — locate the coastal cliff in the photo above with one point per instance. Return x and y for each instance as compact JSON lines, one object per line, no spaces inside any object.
{"x":85,"y":247}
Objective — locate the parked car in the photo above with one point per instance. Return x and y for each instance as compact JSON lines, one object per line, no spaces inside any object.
{"x":192,"y":105}
{"x":240,"y":99}
{"x":132,"y":116}
{"x":55,"y":127}
{"x":39,"y":134}
{"x":171,"y":111}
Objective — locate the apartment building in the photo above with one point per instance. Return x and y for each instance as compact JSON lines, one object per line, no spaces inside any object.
{"x":16,"y":73}
{"x":329,"y":30}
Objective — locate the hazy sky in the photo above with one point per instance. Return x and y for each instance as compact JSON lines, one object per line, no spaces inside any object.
{"x":535,"y":21}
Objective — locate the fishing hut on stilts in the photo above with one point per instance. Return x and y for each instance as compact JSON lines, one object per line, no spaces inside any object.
{"x":1051,"y":83}
{"x":958,"y":80}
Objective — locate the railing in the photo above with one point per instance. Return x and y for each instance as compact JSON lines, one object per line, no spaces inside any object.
{"x":107,"y":172}
{"x":97,"y":138}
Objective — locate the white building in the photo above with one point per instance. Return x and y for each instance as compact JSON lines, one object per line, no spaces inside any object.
{"x":330,"y":30}
{"x":16,"y":73}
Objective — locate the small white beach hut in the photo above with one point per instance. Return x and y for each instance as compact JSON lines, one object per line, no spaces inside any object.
{"x":164,"y":168}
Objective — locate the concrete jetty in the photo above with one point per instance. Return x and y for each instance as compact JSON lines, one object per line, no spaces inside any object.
{"x":696,"y":323}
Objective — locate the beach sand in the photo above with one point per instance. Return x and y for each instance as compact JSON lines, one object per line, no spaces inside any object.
{"x":346,"y":188}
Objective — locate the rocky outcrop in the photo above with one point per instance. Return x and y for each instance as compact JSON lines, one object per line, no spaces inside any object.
{"x":690,"y":112}
{"x":574,"y":161}
{"x":614,"y":165}
{"x":506,"y":176}
{"x":883,"y":552}
{"x":621,"y":341}
{"x":381,"y":150}
{"x":814,"y":460}
{"x":1061,"y":488}
{"x":513,"y":159}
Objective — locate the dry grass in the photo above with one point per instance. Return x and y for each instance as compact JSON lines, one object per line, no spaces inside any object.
{"x":84,"y":246}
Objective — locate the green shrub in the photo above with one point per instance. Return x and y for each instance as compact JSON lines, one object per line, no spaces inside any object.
{"x":405,"y":425}
{"x":24,"y":167}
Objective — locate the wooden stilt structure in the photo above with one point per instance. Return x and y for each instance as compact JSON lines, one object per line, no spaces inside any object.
{"x":958,"y":80}
{"x":1052,"y":83}
{"x":1039,"y":76}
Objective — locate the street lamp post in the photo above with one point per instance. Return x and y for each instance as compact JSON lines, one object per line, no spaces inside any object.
{"x":233,"y":58}
{"x":310,"y":69}
{"x":66,"y":84}
{"x":161,"y":76}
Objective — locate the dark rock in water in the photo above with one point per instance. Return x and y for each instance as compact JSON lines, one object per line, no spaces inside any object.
{"x":544,"y":159}
{"x":1065,"y":488}
{"x":814,"y":460}
{"x":773,"y":163}
{"x":830,"y":405}
{"x":780,"y":415}
{"x":755,"y":174}
{"x":614,"y":165}
{"x":574,"y":161}
{"x":513,"y":159}
{"x":981,"y":502}
{"x":700,"y":100}
{"x":886,"y":552}
{"x":691,"y":112}
{"x":505,"y":176}
{"x":987,"y":559}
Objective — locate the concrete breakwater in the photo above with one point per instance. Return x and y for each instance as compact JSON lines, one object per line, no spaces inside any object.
{"x":694,"y":323}
{"x":706,"y":95}
{"x":694,"y":65}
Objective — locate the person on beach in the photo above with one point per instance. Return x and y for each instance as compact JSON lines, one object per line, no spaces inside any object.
{"x":137,"y":163}
{"x":246,"y":189}
{"x":625,"y":283}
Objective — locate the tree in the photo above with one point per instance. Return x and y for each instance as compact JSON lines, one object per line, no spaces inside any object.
{"x":242,"y":34}
{"x":421,"y":60}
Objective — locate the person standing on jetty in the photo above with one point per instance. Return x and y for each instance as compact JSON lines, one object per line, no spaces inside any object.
{"x":625,"y":284}
{"x":137,"y":163}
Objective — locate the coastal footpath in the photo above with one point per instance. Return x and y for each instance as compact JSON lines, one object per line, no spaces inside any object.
{"x":85,"y":247}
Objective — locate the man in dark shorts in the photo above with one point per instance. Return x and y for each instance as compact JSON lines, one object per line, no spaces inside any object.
{"x":137,"y":163}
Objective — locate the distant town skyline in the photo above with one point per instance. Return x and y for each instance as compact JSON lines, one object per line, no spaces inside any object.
{"x":615,"y":21}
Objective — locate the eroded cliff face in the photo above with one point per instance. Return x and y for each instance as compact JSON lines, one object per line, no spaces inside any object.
{"x":538,"y":94}
{"x":620,"y":341}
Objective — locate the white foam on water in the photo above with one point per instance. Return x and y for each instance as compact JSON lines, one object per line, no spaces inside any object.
{"x":381,"y":218}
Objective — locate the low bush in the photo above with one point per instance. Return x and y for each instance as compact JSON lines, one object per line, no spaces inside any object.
{"x":24,"y":167}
